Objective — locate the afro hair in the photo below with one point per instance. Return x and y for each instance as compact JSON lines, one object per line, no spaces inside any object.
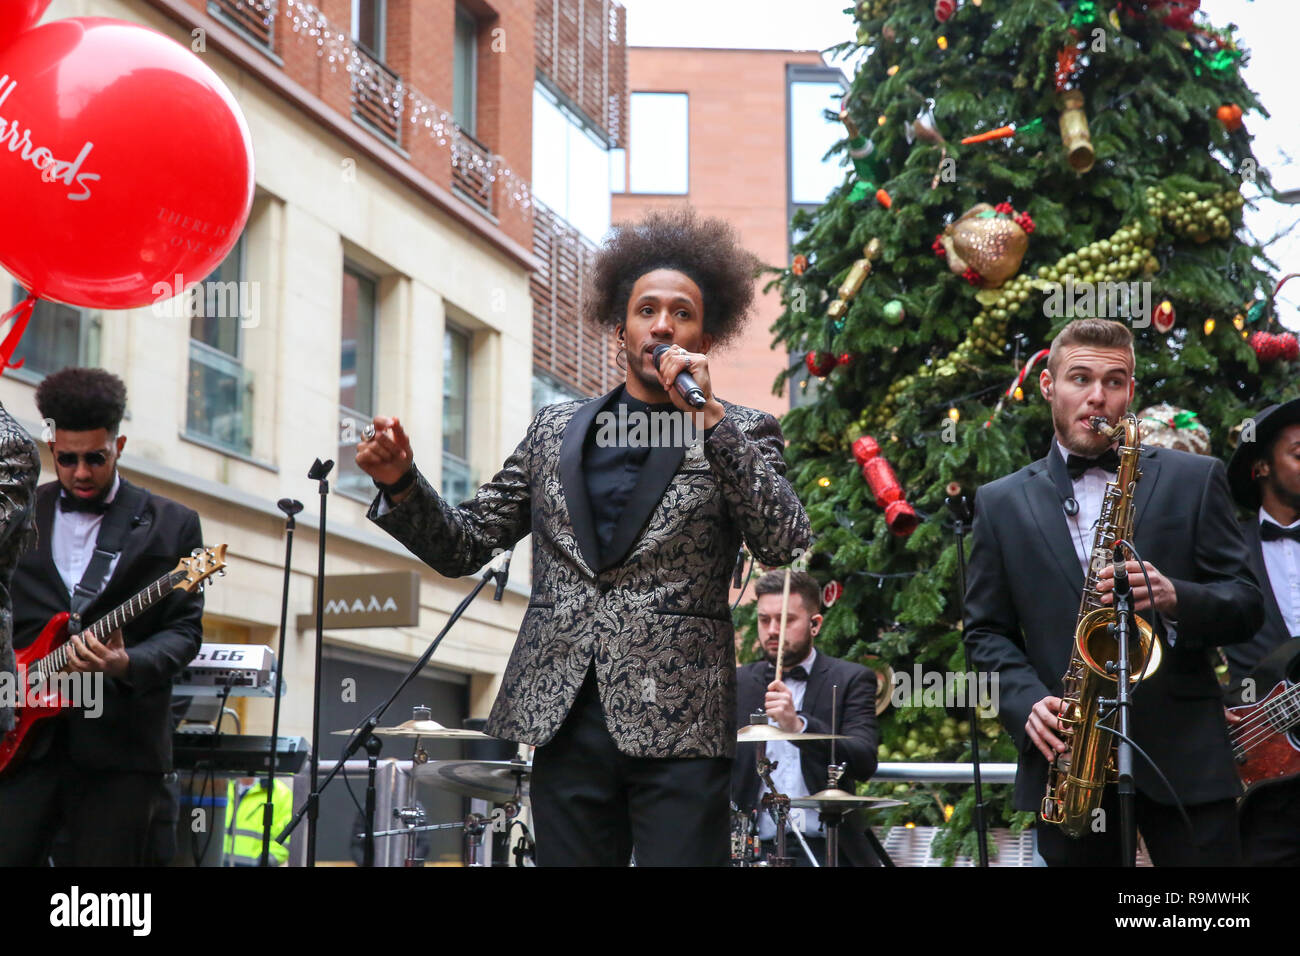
{"x":82,"y":399}
{"x":706,"y":250}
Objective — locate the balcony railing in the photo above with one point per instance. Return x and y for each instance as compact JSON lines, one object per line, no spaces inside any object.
{"x":254,"y":18}
{"x":378,"y":96}
{"x":472,"y":169}
{"x":582,"y":48}
{"x":569,"y":349}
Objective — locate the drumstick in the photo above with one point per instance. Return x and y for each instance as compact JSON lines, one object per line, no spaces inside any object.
{"x":780,"y":637}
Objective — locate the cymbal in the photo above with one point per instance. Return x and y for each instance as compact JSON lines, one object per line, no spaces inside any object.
{"x":753,"y":733}
{"x":844,"y":801}
{"x":491,"y":780}
{"x":428,"y":729}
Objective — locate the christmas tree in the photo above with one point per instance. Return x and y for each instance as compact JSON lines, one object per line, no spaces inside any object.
{"x":1016,"y":164}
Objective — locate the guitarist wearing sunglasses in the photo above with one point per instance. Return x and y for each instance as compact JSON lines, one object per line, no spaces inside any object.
{"x":97,"y":771}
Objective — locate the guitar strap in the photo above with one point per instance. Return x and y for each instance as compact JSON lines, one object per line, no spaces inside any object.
{"x":122,"y":514}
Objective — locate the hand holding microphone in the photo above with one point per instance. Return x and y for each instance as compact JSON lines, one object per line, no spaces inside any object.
{"x":683,"y":381}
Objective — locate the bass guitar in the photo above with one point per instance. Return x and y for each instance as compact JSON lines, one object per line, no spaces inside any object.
{"x":45,"y":688}
{"x":1266,"y":733}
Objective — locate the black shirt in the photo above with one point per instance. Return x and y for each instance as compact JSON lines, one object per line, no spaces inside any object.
{"x":611,"y":469}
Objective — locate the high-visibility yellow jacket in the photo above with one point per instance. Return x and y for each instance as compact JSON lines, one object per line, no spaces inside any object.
{"x":243,"y":841}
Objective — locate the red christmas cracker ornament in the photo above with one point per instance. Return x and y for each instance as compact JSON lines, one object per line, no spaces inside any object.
{"x":879,"y":474}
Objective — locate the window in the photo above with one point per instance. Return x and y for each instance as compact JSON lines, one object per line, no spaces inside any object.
{"x":658,"y":147}
{"x":465,"y":71}
{"x":359,"y":328}
{"x":57,"y":336}
{"x":549,"y":391}
{"x":810,"y":135}
{"x":570,"y":166}
{"x":368,"y":26}
{"x":219,"y":408}
{"x":618,"y":170}
{"x":456,"y":480}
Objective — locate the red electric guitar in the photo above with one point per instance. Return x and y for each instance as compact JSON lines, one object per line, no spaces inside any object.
{"x":1266,"y":740}
{"x":40,"y":689}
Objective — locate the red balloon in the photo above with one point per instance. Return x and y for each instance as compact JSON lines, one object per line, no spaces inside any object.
{"x":17,"y":16}
{"x":128,"y":172}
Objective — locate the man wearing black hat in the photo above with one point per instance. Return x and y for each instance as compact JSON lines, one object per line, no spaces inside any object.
{"x":1264,"y":475}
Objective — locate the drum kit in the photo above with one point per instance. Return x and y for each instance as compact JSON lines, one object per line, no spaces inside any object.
{"x":504,"y":785}
{"x":832,"y":803}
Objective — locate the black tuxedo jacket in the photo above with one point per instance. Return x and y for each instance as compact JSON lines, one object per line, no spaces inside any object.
{"x":1245,"y":656}
{"x":855,"y":718}
{"x":134,"y":732}
{"x":1022,"y":599}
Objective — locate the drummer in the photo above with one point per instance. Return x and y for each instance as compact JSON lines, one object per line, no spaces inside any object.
{"x":799,"y":702}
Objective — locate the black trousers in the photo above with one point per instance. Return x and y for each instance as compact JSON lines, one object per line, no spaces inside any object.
{"x":593,"y":806}
{"x":1270,"y":825}
{"x":102,"y":817}
{"x":1213,"y":840}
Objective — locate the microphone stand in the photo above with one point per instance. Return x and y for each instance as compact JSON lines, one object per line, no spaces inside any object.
{"x":1122,"y":702}
{"x":959,"y":508}
{"x":319,"y":473}
{"x":290,"y":507}
{"x":500,"y":571}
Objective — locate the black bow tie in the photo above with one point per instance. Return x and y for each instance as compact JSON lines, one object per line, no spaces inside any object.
{"x":1268,"y":531}
{"x":94,"y":506}
{"x":1076,"y":465}
{"x":797,"y":672}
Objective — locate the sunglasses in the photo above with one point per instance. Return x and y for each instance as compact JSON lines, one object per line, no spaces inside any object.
{"x":69,"y":459}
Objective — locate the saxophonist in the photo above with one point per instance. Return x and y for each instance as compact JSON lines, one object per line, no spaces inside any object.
{"x":1032,"y":541}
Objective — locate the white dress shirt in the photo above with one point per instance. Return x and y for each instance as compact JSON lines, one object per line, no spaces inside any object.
{"x":1282,"y":561}
{"x":73,"y":537}
{"x":788,"y":775}
{"x":1089,"y":491}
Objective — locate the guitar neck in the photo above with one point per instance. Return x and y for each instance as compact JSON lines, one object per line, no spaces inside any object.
{"x":131,"y":609}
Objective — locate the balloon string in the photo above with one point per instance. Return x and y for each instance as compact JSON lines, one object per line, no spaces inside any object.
{"x":21,"y":314}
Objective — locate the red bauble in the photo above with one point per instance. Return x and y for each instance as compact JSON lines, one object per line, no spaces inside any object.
{"x":1289,"y":345}
{"x":845,"y":358}
{"x":137,"y":174}
{"x":1162,"y":317}
{"x":1229,"y":115}
{"x":800,"y":264}
{"x":831,"y":593}
{"x":943,"y":9}
{"x":1267,"y":346}
{"x":820,"y":363}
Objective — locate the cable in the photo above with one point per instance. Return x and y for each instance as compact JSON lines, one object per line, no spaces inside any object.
{"x":1159,"y":773}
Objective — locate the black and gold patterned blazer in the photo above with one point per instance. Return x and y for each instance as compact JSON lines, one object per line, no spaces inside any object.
{"x":20,"y":467}
{"x":654,"y":615}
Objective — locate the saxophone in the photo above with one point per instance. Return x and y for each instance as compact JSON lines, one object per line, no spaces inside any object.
{"x":1077,"y":777}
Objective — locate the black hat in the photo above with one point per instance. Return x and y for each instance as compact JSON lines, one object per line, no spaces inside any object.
{"x":1267,"y":425}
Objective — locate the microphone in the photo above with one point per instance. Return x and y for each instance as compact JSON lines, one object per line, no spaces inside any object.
{"x":1121,"y":573}
{"x":502,"y":573}
{"x":958,"y":504}
{"x":684,"y":383}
